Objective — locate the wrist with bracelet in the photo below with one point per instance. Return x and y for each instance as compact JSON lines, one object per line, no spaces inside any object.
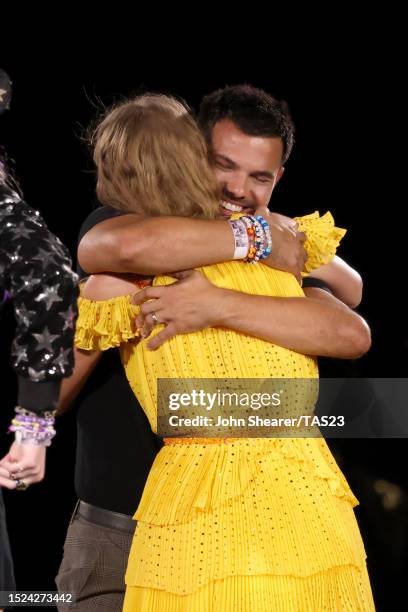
{"x":253,"y":240}
{"x":33,"y":428}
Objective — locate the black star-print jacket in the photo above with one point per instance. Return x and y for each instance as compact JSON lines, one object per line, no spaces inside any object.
{"x":35,"y":272}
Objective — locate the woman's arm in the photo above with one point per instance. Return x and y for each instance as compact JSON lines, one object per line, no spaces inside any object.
{"x":99,"y":287}
{"x":345,"y":282}
{"x":85,"y":362}
{"x":106,"y":286}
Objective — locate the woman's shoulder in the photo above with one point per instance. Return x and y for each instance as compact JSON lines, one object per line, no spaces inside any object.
{"x":107,"y":317}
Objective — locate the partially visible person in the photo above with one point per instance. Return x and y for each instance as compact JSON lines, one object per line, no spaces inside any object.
{"x":36,"y":276}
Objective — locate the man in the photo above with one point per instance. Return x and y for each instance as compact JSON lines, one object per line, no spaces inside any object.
{"x":251,"y":136}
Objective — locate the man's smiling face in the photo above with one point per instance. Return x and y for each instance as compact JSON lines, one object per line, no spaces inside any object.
{"x":247,"y":168}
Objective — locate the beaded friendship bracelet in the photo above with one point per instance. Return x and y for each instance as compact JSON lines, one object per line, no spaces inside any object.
{"x":241,"y":238}
{"x":253,"y":240}
{"x":32,"y":428}
{"x":260,"y":237}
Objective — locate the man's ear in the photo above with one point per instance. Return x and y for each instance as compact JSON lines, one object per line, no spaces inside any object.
{"x":279,"y":174}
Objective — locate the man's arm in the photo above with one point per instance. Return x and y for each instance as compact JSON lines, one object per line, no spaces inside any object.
{"x":154,"y":245}
{"x":140,"y":245}
{"x":318,"y":324}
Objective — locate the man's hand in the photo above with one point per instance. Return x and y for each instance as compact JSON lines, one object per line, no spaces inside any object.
{"x":318,"y":325}
{"x":23,"y":462}
{"x":191,"y":304}
{"x":288,"y":252}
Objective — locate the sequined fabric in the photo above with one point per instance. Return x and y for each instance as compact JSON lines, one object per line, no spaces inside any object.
{"x":35,"y":269}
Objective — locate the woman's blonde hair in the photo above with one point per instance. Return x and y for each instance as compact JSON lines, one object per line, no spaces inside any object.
{"x":152,"y":159}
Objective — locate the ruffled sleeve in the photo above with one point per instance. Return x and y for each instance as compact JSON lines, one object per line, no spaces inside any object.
{"x":105,"y":324}
{"x":323,"y":238}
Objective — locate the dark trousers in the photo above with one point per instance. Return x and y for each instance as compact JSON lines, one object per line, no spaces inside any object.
{"x":94,"y":564}
{"x":7,"y":582}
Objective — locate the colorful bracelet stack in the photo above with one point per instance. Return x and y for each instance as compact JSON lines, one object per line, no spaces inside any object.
{"x":259,"y":236}
{"x":253,"y":240}
{"x":32,"y":428}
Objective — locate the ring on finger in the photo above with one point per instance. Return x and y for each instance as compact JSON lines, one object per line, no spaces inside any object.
{"x":21,"y":485}
{"x":155,"y":318}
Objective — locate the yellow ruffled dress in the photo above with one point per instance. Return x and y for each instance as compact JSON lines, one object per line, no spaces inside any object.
{"x":235,"y":525}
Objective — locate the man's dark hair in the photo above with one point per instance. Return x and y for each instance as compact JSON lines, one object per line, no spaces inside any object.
{"x":254,"y":111}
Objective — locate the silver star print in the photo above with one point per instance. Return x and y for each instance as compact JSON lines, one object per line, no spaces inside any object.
{"x":70,"y":271}
{"x":42,"y":255}
{"x":62,"y":359}
{"x":56,"y":246}
{"x":21,"y":355}
{"x":16,"y":255}
{"x":11,"y":198}
{"x":30,"y":280}
{"x":68,"y":319}
{"x":7,"y":209}
{"x":22,"y":231}
{"x":24,"y":315}
{"x":35,"y":376}
{"x":45,"y":340}
{"x":36,"y":218}
{"x":49,"y":296}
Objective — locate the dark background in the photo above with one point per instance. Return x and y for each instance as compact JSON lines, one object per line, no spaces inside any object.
{"x":346,"y":109}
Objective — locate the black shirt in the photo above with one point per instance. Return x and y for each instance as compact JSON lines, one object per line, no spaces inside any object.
{"x":116,"y":446}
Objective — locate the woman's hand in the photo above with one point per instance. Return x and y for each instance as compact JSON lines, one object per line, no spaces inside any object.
{"x":23,"y":462}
